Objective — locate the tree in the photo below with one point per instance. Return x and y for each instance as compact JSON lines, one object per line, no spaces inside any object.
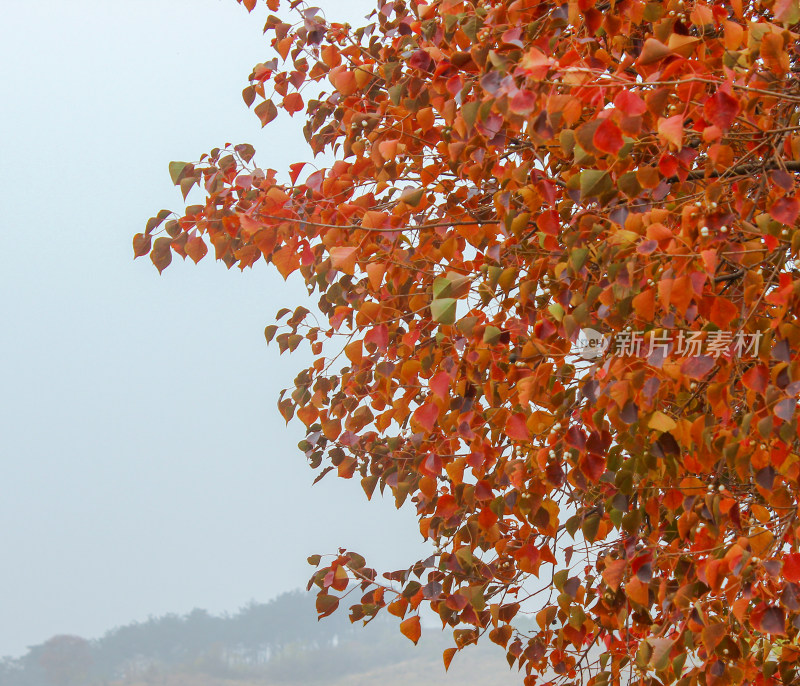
{"x":65,"y":659}
{"x":509,"y":175}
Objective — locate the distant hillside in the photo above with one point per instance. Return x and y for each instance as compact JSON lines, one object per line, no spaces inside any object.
{"x":279,"y":643}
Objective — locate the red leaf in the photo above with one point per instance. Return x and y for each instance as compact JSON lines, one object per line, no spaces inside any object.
{"x":528,"y":558}
{"x":487,"y":518}
{"x":420,"y":60}
{"x":295,"y":170}
{"x":250,"y":5}
{"x":410,"y":628}
{"x":535,"y":64}
{"x":516,"y":428}
{"x":721,"y":109}
{"x":644,"y":304}
{"x":512,"y":37}
{"x":426,"y":416}
{"x":592,"y":466}
{"x":791,"y":567}
{"x":440,"y":385}
{"x":697,"y":367}
{"x":785,"y":210}
{"x":773,"y":621}
{"x":668,"y":165}
{"x":523,"y":102}
{"x":293,"y":103}
{"x":446,"y":506}
{"x":608,"y":137}
{"x":630,"y":104}
{"x":756,"y":378}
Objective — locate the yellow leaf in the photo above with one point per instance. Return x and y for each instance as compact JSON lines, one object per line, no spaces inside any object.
{"x":661,"y":422}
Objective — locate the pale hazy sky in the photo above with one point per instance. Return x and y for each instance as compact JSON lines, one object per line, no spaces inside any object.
{"x":144,"y":468}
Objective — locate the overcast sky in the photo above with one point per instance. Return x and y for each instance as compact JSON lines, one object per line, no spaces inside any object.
{"x":144,"y":468}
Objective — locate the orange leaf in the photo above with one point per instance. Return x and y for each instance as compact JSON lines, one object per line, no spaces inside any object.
{"x":141,"y":245}
{"x":293,"y":103}
{"x":376,"y":272}
{"x":713,"y":634}
{"x":723,"y":312}
{"x":353,"y":351}
{"x":638,"y":592}
{"x":410,"y":628}
{"x":671,"y":130}
{"x":645,"y":304}
{"x":613,"y":573}
{"x":653,"y":51}
{"x":196,"y":248}
{"x":344,"y":259}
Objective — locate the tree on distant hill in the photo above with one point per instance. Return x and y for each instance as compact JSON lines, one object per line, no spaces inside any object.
{"x":66,"y":660}
{"x":512,"y":179}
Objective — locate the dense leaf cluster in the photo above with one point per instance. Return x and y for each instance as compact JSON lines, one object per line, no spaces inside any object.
{"x":505,"y":174}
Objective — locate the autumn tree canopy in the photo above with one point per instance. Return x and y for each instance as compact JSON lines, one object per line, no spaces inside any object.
{"x":507,"y":175}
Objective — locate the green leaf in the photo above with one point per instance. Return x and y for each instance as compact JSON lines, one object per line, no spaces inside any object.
{"x":560,"y":578}
{"x":469,"y":113}
{"x":356,"y":561}
{"x":594,"y":183}
{"x":628,"y":183}
{"x":413,"y":196}
{"x":441,"y":287}
{"x":590,"y":526}
{"x":466,"y":325}
{"x":443,"y":310}
{"x":578,"y":257}
{"x":396,"y":93}
{"x":175,"y":171}
{"x":557,"y":311}
{"x":368,"y":483}
{"x":491,"y":335}
{"x":269,"y":332}
{"x":572,"y":525}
